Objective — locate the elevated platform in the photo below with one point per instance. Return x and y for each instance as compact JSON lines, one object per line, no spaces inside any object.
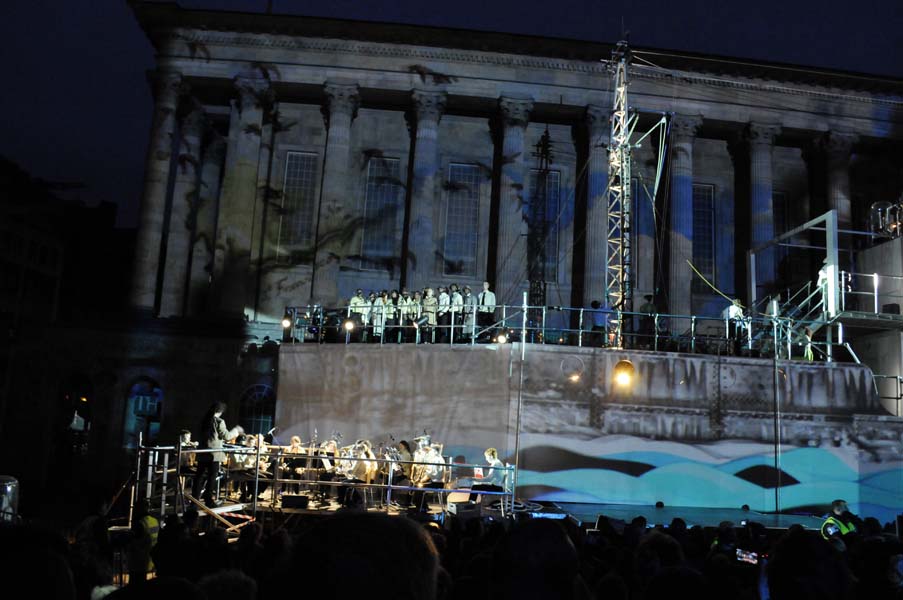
{"x":585,"y":515}
{"x":869,"y":320}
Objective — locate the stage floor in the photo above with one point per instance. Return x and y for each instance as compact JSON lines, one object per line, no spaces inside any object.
{"x":586,"y":515}
{"x":582,"y":514}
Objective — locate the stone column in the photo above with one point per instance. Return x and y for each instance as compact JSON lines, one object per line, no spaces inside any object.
{"x":595,"y":261}
{"x":761,"y":207}
{"x":511,"y":256}
{"x":421,"y":257}
{"x":684,"y":128}
{"x":205,"y":226}
{"x":335,"y":214}
{"x":838,"y":147}
{"x":232,"y":285}
{"x":156,"y":183}
{"x":181,"y":216}
{"x":263,"y":247}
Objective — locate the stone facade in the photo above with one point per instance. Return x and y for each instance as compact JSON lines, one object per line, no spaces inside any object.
{"x":383,"y":122}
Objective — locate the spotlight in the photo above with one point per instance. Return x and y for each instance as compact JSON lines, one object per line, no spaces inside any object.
{"x":348,"y":325}
{"x":623,"y":373}
{"x":574,"y":377}
{"x":286,"y":320}
{"x":503,"y":337}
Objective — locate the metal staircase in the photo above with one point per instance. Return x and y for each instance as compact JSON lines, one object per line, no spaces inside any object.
{"x":803,"y":308}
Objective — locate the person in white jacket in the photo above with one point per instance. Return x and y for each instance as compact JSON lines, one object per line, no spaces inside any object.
{"x":456,"y":303}
{"x":356,"y":307}
{"x":443,"y":314}
{"x":378,"y":315}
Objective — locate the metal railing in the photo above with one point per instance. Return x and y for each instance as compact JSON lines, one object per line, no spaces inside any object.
{"x":558,"y":325}
{"x":870,"y":292}
{"x":896,"y":386}
{"x":162,"y":472}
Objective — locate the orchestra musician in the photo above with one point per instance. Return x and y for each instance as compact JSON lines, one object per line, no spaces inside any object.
{"x":361,"y":469}
{"x":428,"y":470}
{"x":254,"y":467}
{"x":494,"y":479}
{"x":401,"y":471}
{"x":328,"y":451}
{"x":188,"y":463}
{"x":292,"y":464}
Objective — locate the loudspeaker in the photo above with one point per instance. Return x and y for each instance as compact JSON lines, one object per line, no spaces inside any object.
{"x":891,"y":309}
{"x":294,"y":501}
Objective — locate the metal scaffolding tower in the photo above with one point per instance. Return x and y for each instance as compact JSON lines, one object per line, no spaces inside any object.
{"x":618,"y":268}
{"x":539,"y":224}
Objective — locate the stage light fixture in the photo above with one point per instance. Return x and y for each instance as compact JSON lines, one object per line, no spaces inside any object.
{"x":348,"y":325}
{"x":623,"y":373}
{"x":503,"y":337}
{"x":286,"y":320}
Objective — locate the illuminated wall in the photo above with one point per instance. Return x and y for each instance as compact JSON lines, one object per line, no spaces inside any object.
{"x":693,"y":430}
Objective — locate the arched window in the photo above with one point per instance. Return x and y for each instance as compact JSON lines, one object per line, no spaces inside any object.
{"x":143,"y":411}
{"x":257,"y":408}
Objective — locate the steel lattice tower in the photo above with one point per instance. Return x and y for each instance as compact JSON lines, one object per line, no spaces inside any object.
{"x":618,"y":271}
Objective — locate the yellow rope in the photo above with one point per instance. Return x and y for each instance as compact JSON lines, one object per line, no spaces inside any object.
{"x":709,"y":283}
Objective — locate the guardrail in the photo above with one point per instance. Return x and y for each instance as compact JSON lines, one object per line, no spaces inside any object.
{"x":896,"y":382}
{"x":870,"y":292}
{"x":162,"y":472}
{"x":559,"y":325}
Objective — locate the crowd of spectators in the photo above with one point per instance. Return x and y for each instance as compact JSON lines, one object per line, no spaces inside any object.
{"x":367,"y":555}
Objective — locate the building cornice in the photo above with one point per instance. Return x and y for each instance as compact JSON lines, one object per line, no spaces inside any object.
{"x":754,"y":85}
{"x":193,"y":37}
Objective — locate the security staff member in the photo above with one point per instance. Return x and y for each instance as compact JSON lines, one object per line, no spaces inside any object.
{"x":145,"y":529}
{"x":840,"y":522}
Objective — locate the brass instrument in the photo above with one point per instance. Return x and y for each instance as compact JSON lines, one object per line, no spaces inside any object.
{"x":429,"y":465}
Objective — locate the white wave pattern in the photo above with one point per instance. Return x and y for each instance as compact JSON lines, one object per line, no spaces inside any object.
{"x":704,"y":475}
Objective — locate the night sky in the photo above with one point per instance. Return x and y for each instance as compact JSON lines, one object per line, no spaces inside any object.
{"x":76,"y":105}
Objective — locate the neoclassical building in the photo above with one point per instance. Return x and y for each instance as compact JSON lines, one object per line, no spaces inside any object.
{"x":295,"y":159}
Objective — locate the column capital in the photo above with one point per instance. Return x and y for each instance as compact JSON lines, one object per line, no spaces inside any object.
{"x":686,"y":126}
{"x":837,"y":145}
{"x":342,"y":98}
{"x":761,"y":133}
{"x":253,"y":91}
{"x":515,"y":111}
{"x":167,"y":84}
{"x":598,"y":124}
{"x":192,"y":116}
{"x":429,"y":105}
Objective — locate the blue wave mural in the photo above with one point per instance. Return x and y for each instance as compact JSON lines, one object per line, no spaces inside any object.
{"x":726,"y":473}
